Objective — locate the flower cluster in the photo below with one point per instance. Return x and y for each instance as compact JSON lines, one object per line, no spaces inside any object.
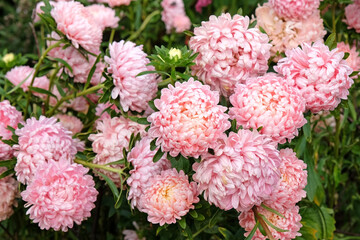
{"x":8,"y":191}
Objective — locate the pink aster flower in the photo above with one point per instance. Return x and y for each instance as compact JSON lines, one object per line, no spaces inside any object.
{"x":104,"y":16}
{"x":189,"y":120}
{"x":202,"y":3}
{"x":71,"y":123}
{"x":115,"y":3}
{"x":8,"y":191}
{"x":291,"y":222}
{"x":174,"y":16}
{"x":229,"y":52}
{"x":354,"y":59}
{"x":41,"y":141}
{"x":24,"y":75}
{"x":269,"y":102}
{"x":59,"y":195}
{"x":321,"y":75}
{"x":126,"y":61}
{"x":242,"y":173}
{"x":9,"y":116}
{"x":113,"y":135}
{"x":290,"y":189}
{"x":294,"y":9}
{"x":131,"y":235}
{"x":141,"y":158}
{"x":352,"y":15}
{"x":169,"y":197}
{"x":288,"y":34}
{"x":77,"y":23}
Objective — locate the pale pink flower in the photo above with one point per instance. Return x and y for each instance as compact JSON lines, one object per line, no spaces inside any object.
{"x":290,"y":189}
{"x":60,"y":194}
{"x":77,"y":23}
{"x":112,"y":137}
{"x":71,"y":123}
{"x":131,"y":235}
{"x":294,"y":9}
{"x":141,"y":158}
{"x":229,"y":52}
{"x":169,"y":197}
{"x":9,"y":116}
{"x":8,"y":192}
{"x":189,"y":120}
{"x":115,"y":3}
{"x":126,"y":61}
{"x":41,"y":141}
{"x":104,"y":16}
{"x":174,"y":16}
{"x":269,"y":102}
{"x":202,"y":3}
{"x":291,"y":222}
{"x":321,"y":75}
{"x":242,"y":173}
{"x":288,"y":34}
{"x":352,"y":15}
{"x":354,"y":59}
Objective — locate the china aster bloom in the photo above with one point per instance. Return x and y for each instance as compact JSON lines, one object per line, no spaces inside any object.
{"x":112,"y":137}
{"x":229,"y":52}
{"x":9,"y":116}
{"x":202,"y":3}
{"x":104,"y":16}
{"x":77,"y":23}
{"x":290,"y":188}
{"x":174,"y":16}
{"x":189,"y":120}
{"x":141,"y":158}
{"x":291,"y":223}
{"x":321,"y":75}
{"x":242,"y":173}
{"x":115,"y":3}
{"x":8,"y":192}
{"x":71,"y":123}
{"x":41,"y":141}
{"x":126,"y":61}
{"x":294,"y":9}
{"x":169,"y":197}
{"x":288,"y":34}
{"x":269,"y":102}
{"x":354,"y":59}
{"x":60,"y":194}
{"x":352,"y":15}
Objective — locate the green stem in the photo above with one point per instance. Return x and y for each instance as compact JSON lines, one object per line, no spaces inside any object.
{"x":200,"y":230}
{"x":263,"y":223}
{"x":333,"y":19}
{"x":37,"y":68}
{"x":112,"y":34}
{"x":51,"y":85}
{"x":71,"y":96}
{"x":143,"y":25}
{"x":93,"y":165}
{"x":337,"y":136}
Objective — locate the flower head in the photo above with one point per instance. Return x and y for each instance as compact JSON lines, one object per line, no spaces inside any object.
{"x":294,"y":9}
{"x":104,"y":16}
{"x":202,"y":3}
{"x":269,"y":102}
{"x":8,"y":191}
{"x":189,"y":120}
{"x":169,"y":197}
{"x":354,"y":59}
{"x":352,"y":15}
{"x":115,"y":3}
{"x":174,"y":16}
{"x":41,"y":141}
{"x":229,"y":52}
{"x":71,"y":123}
{"x":242,"y":173}
{"x":126,"y":61}
{"x":59,"y":195}
{"x":321,"y":75}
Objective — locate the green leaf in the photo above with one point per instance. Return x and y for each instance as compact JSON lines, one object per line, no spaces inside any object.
{"x":158,"y":155}
{"x":118,"y":200}
{"x":92,"y":71}
{"x":214,"y":218}
{"x":153,"y":145}
{"x":7,"y":163}
{"x":226,"y":233}
{"x":307,"y":131}
{"x":251,"y":234}
{"x":63,"y":62}
{"x":252,"y":24}
{"x":330,"y":41}
{"x":111,"y":184}
{"x":182,"y":223}
{"x":200,"y":217}
{"x":272,"y":225}
{"x":354,"y":73}
{"x":346,"y":55}
{"x":152,"y":105}
{"x":194,"y":214}
{"x":272,"y":210}
{"x":41,"y":90}
{"x":7,"y":173}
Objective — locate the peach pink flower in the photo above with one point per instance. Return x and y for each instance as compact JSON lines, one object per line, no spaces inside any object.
{"x":269,"y":102}
{"x":169,"y":197}
{"x":189,"y":120}
{"x":141,"y":158}
{"x":60,"y":194}
{"x":126,"y":61}
{"x":71,"y":123}
{"x":229,"y":52}
{"x":290,"y":189}
{"x":174,"y":16}
{"x":202,"y":3}
{"x":321,"y":75}
{"x":104,"y":16}
{"x":352,"y":15}
{"x":115,"y":3}
{"x":291,"y":222}
{"x":9,"y":116}
{"x":354,"y":59}
{"x":243,"y":171}
{"x":8,"y":192}
{"x":77,"y":23}
{"x":41,"y":141}
{"x":294,"y":9}
{"x":288,"y":34}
